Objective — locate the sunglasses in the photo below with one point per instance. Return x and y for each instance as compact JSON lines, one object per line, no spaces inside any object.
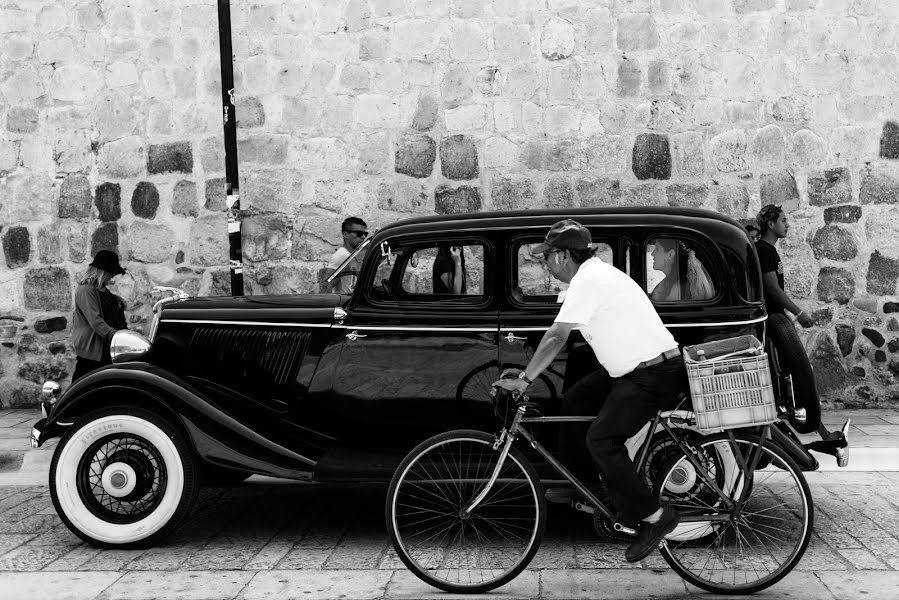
{"x":359,"y":233}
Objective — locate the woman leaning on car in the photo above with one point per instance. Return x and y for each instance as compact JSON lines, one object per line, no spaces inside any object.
{"x":98,"y":314}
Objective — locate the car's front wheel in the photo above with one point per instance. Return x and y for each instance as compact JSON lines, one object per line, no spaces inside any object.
{"x":123,"y":477}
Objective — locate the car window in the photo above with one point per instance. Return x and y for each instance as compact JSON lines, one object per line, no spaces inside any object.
{"x":677,"y":270}
{"x":532,"y":281}
{"x":446,"y":272}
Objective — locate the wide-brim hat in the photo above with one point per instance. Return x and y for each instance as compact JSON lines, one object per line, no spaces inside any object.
{"x":567,"y":234}
{"x":108,"y":261}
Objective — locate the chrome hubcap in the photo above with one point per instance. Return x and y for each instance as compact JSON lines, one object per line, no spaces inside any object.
{"x":118,"y":479}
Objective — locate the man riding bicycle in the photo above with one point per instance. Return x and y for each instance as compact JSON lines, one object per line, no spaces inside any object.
{"x":641,"y":371}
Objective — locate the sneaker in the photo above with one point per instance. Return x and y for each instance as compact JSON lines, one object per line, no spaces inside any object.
{"x":651,"y":534}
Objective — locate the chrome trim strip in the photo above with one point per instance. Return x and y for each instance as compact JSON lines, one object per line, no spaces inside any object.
{"x":260,"y":323}
{"x":507,"y":328}
{"x":405,"y":328}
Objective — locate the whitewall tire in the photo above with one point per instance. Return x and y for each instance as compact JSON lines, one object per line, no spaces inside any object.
{"x":123,"y":477}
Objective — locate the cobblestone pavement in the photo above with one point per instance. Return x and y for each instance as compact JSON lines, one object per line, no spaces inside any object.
{"x":270,"y":540}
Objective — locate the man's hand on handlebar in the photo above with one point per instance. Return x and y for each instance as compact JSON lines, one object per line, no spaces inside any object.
{"x":509,"y":381}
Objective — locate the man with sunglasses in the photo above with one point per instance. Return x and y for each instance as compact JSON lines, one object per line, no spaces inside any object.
{"x":641,"y":372}
{"x":354,"y":233}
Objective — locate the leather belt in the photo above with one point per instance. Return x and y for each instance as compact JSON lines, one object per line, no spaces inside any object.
{"x":666,"y":355}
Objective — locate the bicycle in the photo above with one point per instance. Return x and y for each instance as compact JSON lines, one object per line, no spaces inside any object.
{"x":466,"y":510}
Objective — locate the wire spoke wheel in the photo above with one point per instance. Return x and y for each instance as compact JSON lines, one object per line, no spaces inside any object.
{"x":760,"y":539}
{"x":441,"y":543}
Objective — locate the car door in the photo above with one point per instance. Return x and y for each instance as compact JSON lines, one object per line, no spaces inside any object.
{"x":412,"y":346}
{"x":530,"y":303}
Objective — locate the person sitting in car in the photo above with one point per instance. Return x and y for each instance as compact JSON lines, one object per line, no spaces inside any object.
{"x":685,"y":277}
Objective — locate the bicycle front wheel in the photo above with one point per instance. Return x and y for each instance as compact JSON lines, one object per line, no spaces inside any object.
{"x":756,"y":543}
{"x":451,"y":550}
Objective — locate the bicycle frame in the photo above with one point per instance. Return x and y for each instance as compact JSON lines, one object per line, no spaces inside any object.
{"x":669,"y":421}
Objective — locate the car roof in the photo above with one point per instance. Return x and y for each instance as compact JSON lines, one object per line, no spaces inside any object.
{"x":699,"y":218}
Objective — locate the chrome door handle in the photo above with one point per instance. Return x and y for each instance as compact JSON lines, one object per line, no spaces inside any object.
{"x":512,"y":338}
{"x":353,"y":335}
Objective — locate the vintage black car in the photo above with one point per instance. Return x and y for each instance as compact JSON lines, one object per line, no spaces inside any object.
{"x":333,"y":388}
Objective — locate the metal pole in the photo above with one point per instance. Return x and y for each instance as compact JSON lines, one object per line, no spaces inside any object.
{"x":229,"y":116}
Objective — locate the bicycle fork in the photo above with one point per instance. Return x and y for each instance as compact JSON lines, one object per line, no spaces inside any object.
{"x":505,"y":440}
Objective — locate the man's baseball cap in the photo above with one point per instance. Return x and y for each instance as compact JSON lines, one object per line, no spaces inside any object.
{"x":567,"y":234}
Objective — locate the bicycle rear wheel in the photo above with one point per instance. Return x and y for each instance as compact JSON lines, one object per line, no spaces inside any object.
{"x":761,"y":539}
{"x":474,"y":553}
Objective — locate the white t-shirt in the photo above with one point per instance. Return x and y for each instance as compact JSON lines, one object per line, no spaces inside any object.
{"x":346,"y":281}
{"x":615,"y":316}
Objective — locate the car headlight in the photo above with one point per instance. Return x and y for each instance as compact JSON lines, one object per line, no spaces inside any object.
{"x":128,"y":345}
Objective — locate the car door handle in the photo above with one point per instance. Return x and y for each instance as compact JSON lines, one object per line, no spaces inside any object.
{"x":353,"y":335}
{"x":512,"y":338}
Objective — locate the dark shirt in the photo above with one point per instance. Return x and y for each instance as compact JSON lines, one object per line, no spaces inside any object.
{"x":769,"y":259}
{"x":443,"y":264}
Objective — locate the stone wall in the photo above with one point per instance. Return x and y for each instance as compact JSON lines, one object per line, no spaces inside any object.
{"x":110,"y":137}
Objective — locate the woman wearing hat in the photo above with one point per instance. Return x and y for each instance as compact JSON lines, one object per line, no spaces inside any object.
{"x":98,"y":314}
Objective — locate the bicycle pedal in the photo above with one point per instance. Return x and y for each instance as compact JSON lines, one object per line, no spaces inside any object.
{"x":578,"y":505}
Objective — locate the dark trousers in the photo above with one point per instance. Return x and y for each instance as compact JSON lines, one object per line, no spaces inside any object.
{"x":791,"y":355}
{"x":625,"y":404}
{"x":83,"y":366}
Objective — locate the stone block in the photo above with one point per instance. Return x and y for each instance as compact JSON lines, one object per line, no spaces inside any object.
{"x":458,"y":157}
{"x":597,"y":191}
{"x":208,"y":241}
{"x":779,"y":188}
{"x":563,"y":155}
{"x":21,"y":119}
{"x":425,"y":112}
{"x":512,"y":42}
{"x":520,"y":82}
{"x":48,"y":289}
{"x":512,"y":192}
{"x":123,"y":159}
{"x":108,"y":200}
{"x":500,"y":152}
{"x":418,"y":38}
{"x":145,"y":200}
{"x":562,"y":121}
{"x":732,"y":200}
{"x":74,"y":197}
{"x":74,"y":239}
{"x":893,"y":345}
{"x":767,"y":148}
{"x":637,"y":31}
{"x":50,"y":325}
{"x":748,"y":6}
{"x":267,"y":190}
{"x":842,"y":214}
{"x":263,"y":149}
{"x":184,"y":199}
{"x":16,"y":246}
{"x":265,"y":237}
{"x":889,"y":140}
{"x":77,"y":83}
{"x":607,"y":155}
{"x":72,"y":151}
{"x":688,"y":154}
{"x":834,"y":243}
{"x":358,"y":15}
{"x":49,"y":247}
{"x":415,"y":155}
{"x":472,"y":117}
{"x":728,"y":151}
{"x":557,"y":38}
{"x":468,"y":41}
{"x":23,"y":86}
{"x":646,"y":194}
{"x":834,"y":186}
{"x":215,"y":194}
{"x":249,"y":112}
{"x":630,"y":77}
{"x":651,"y":157}
{"x":212,"y":155}
{"x":835,"y":285}
{"x":845,"y":338}
{"x":486,"y":80}
{"x":322,"y":154}
{"x":558,"y":192}
{"x":892,"y":324}
{"x":875,"y":336}
{"x":687,"y":194}
{"x":150,"y":242}
{"x":450,"y":201}
{"x":563,"y":83}
{"x":853,"y":144}
{"x":355,"y":78}
{"x":403,"y":196}
{"x":175,"y":157}
{"x":883,"y":272}
{"x":878,"y":187}
{"x":658,"y":77}
{"x":890,"y":307}
{"x":376,"y":111}
{"x":105,"y":237}
{"x":374,"y":153}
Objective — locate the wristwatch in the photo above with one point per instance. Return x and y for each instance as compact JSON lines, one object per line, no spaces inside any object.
{"x":524,"y":378}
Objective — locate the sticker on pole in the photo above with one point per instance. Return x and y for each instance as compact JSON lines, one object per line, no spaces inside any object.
{"x":232,"y":199}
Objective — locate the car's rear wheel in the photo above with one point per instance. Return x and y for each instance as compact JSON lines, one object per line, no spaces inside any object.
{"x":123,"y":477}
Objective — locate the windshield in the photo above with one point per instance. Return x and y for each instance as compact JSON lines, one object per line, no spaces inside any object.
{"x":349,"y":259}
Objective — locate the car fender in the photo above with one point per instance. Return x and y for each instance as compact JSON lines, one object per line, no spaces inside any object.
{"x":216,"y":436}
